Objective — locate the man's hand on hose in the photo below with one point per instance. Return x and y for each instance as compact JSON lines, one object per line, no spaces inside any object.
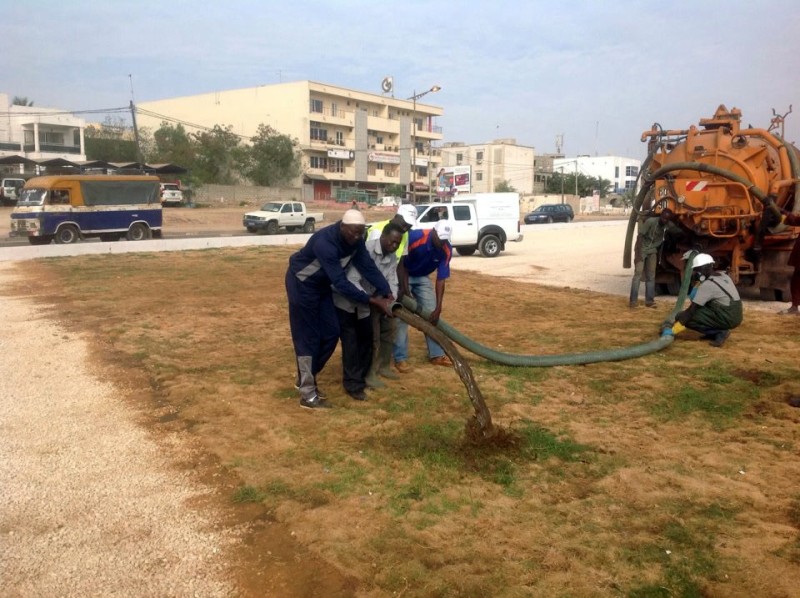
{"x":435,"y":315}
{"x":384,"y":304}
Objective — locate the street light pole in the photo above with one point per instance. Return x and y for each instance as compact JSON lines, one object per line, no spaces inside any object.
{"x":562,"y":184}
{"x":415,"y":97}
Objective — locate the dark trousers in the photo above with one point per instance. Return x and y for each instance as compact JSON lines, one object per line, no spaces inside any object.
{"x":356,"y":337}
{"x":315,"y":330}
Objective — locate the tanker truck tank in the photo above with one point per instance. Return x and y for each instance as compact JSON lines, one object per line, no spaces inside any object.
{"x":726,"y":185}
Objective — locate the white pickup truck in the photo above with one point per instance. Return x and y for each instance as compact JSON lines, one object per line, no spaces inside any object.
{"x":482,"y":222}
{"x":275,"y":215}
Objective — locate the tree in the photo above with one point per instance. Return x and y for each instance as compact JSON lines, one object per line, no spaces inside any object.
{"x":171,"y":144}
{"x":587,"y":185}
{"x":272,"y":159}
{"x":219,"y":156}
{"x":395,"y":190}
{"x":111,"y":141}
{"x":21,"y":101}
{"x":504,"y":187}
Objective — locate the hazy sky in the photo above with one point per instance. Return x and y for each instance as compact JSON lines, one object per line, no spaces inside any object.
{"x":599,"y":73}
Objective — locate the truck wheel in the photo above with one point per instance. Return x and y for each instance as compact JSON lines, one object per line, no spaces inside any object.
{"x":308,"y":227}
{"x":466,"y":249}
{"x":489,"y":246}
{"x":67,"y":234}
{"x":138,"y":232}
{"x":272,"y":227}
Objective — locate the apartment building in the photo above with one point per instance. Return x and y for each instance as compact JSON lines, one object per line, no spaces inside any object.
{"x":622,"y":172}
{"x":351,"y":141}
{"x":492,"y":163}
{"x":39,"y":134}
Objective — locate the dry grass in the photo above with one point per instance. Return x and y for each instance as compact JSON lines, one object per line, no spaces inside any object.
{"x":670,"y":475}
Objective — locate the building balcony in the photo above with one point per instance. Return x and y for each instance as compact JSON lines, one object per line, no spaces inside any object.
{"x":51,"y":148}
{"x":335,"y":117}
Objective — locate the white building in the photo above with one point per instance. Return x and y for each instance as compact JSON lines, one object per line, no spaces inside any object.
{"x":622,"y":172}
{"x":492,"y":163}
{"x":40,"y":133}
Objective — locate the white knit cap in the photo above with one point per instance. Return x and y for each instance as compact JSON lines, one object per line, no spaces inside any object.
{"x":353,"y":217}
{"x":444,"y":229}
{"x":409,"y":213}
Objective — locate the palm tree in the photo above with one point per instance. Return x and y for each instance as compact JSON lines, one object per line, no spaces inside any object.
{"x":21,"y":101}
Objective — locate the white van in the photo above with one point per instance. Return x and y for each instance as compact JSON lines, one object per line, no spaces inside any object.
{"x":481,"y":221}
{"x":9,"y":190}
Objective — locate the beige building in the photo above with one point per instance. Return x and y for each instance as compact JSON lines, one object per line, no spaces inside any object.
{"x":492,"y":163}
{"x":353,"y":143}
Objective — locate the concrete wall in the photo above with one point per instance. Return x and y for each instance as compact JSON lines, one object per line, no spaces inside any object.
{"x":244,"y":195}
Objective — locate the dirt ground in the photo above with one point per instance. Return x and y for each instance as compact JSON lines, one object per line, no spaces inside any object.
{"x":671,"y":474}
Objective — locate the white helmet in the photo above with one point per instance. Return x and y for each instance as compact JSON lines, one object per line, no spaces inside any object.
{"x":702,"y":259}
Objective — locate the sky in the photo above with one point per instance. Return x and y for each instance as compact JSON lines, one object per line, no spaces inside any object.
{"x":597,"y":74}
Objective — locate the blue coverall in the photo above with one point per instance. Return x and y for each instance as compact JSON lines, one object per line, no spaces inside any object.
{"x":313,"y":273}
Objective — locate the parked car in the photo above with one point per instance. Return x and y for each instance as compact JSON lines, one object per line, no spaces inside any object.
{"x":171,"y":195}
{"x":274,"y":215}
{"x":555,"y":212}
{"x":9,"y":190}
{"x":482,"y":222}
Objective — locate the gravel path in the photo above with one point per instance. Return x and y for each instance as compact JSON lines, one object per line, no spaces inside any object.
{"x":90,"y":504}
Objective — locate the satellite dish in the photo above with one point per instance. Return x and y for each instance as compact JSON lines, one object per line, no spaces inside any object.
{"x":387,"y":85}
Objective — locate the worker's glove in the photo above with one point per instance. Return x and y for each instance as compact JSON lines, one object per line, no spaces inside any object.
{"x":677,"y":328}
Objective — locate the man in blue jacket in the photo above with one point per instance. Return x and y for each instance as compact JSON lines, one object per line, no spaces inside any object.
{"x":313,"y":273}
{"x":428,"y":251}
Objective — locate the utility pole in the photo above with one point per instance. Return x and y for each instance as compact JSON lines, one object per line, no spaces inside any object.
{"x":139,"y":157}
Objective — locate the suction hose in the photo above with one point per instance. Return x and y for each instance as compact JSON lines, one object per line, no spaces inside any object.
{"x":663,"y":341}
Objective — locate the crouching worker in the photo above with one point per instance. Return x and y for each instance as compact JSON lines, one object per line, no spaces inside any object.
{"x":716,"y":307}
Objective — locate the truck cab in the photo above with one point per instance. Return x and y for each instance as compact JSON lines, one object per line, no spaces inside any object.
{"x":482,"y":222}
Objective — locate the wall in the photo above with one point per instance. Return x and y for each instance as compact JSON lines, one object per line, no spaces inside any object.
{"x":238,"y":195}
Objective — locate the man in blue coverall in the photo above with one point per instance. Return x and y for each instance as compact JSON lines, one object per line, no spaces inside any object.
{"x":428,"y":251}
{"x":313,"y":273}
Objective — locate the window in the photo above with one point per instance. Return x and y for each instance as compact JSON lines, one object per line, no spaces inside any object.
{"x":286,"y":208}
{"x":59,"y":197}
{"x":459,"y":159}
{"x":461,"y":213}
{"x":379,"y":139}
{"x":631,"y":170}
{"x":478,"y":176}
{"x":339,"y":138}
{"x":616,"y":172}
{"x":335,"y":165}
{"x":479,"y":156}
{"x":318,"y":162}
{"x":316,"y":106}
{"x":297,"y":207}
{"x":317,"y":132}
{"x":333,"y":109}
{"x":52,"y":138}
{"x":630,"y":184}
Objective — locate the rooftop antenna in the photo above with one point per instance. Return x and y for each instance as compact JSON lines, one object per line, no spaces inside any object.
{"x":131,"y":80}
{"x":559,"y":143}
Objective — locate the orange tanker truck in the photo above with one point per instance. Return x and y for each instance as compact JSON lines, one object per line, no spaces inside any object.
{"x":726,"y":185}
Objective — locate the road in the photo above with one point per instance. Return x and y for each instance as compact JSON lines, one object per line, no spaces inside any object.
{"x":582,"y":254}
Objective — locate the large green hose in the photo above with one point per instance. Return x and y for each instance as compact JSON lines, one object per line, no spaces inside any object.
{"x":663,"y":341}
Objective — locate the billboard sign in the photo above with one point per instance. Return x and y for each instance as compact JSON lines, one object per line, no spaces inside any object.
{"x":451,"y":180}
